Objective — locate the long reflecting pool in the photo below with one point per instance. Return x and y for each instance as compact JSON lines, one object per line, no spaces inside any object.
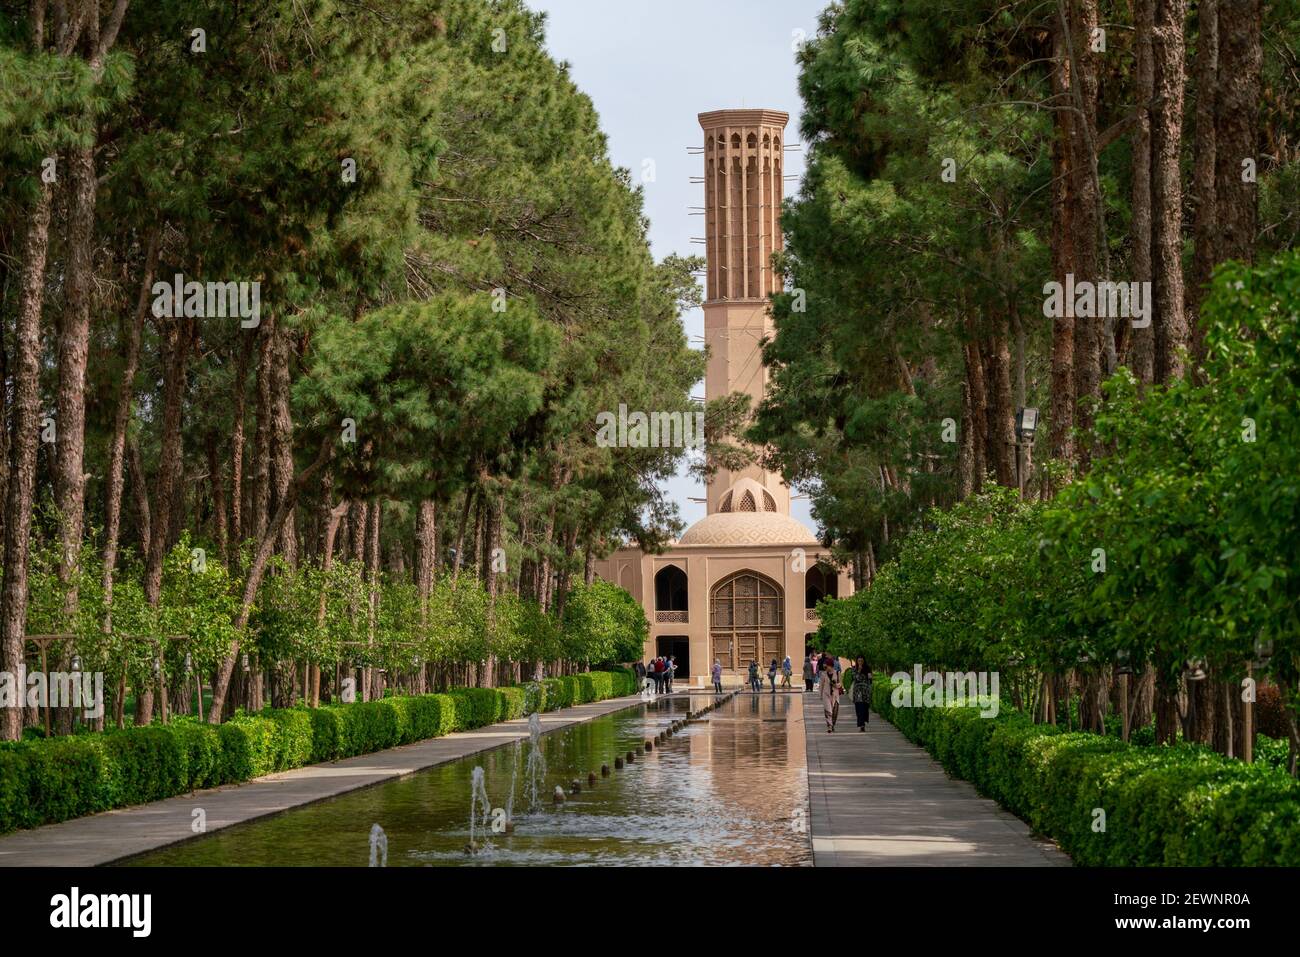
{"x":728,"y":789}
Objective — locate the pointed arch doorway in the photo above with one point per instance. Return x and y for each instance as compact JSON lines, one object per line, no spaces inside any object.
{"x":746,"y":622}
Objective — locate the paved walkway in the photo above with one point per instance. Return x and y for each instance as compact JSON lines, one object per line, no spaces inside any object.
{"x":112,"y":835}
{"x":877,"y":799}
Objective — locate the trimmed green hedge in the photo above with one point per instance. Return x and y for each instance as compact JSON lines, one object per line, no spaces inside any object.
{"x":1182,"y":806}
{"x":44,"y":781}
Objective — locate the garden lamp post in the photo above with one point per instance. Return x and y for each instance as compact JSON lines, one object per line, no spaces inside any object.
{"x":1026,"y":426}
{"x":42,"y":643}
{"x":1263,"y":652}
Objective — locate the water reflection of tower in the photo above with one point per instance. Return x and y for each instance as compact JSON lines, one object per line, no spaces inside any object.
{"x":755,"y":752}
{"x":743,"y":188}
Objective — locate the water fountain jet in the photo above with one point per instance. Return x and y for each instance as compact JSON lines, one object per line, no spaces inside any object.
{"x":478,"y":798}
{"x":378,"y":847}
{"x":535,"y":772}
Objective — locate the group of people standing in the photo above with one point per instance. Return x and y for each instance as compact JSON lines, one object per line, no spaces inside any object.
{"x":785,"y":669}
{"x":821,"y":673}
{"x":659,"y":672}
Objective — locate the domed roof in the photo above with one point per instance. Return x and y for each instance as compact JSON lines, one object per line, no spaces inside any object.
{"x":747,"y":515}
{"x":747,"y":528}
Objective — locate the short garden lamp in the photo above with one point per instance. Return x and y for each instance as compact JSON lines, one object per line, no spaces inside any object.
{"x":1026,"y":425}
{"x":1196,"y":670}
{"x":1263,"y":650}
{"x":1123,"y":662}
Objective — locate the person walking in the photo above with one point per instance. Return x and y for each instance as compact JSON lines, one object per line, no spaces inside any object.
{"x":755,"y":683}
{"x":717,"y":676}
{"x":787,"y":669}
{"x":861,"y":692}
{"x":830,"y":692}
{"x":808,"y":674}
{"x":771,"y":675}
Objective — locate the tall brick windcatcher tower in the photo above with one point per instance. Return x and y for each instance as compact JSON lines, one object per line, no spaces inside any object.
{"x":743,"y":188}
{"x":742,"y":583}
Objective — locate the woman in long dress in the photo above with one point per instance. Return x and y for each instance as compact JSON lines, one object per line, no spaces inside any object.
{"x":829,"y":687}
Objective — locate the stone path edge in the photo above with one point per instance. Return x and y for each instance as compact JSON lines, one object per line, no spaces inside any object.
{"x":113,"y":836}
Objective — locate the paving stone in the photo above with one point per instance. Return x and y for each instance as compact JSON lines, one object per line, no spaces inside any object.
{"x":876,"y":799}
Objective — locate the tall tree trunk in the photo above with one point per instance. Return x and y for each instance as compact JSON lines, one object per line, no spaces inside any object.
{"x":139,"y":493}
{"x":282,"y":433}
{"x":1088,"y":332}
{"x":966,"y":448}
{"x":176,"y":335}
{"x":333,"y":519}
{"x":480,"y":506}
{"x":979,"y":403}
{"x":562,"y":586}
{"x":357,"y":518}
{"x":1141,"y":358}
{"x":237,"y":451}
{"x":262,"y":447}
{"x":1205,"y":228}
{"x":26,"y":434}
{"x":1003,"y":437}
{"x":426,"y":568}
{"x":1170,"y":320}
{"x":372,"y":576}
{"x":1061,"y":427}
{"x":131,"y":334}
{"x":542,"y":589}
{"x":217,"y":488}
{"x":73,"y":355}
{"x":426,"y":552}
{"x":491,"y":540}
{"x":1236,"y":105}
{"x":74,"y":332}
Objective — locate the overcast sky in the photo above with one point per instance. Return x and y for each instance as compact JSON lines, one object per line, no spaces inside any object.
{"x":651,"y":66}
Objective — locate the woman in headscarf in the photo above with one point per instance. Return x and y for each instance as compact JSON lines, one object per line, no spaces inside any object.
{"x":861,"y":692}
{"x":829,"y":688}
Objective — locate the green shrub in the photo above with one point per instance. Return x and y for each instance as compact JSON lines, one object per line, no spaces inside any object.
{"x":624,"y":682}
{"x":1180,"y":806}
{"x":292,"y":743}
{"x":202,"y":744}
{"x":43,"y":781}
{"x":247,"y":747}
{"x":432,"y":716}
{"x":475,"y":707}
{"x":67,"y":777}
{"x":558,"y":693}
{"x":150,"y":763}
{"x":15,"y":806}
{"x":512,"y":703}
